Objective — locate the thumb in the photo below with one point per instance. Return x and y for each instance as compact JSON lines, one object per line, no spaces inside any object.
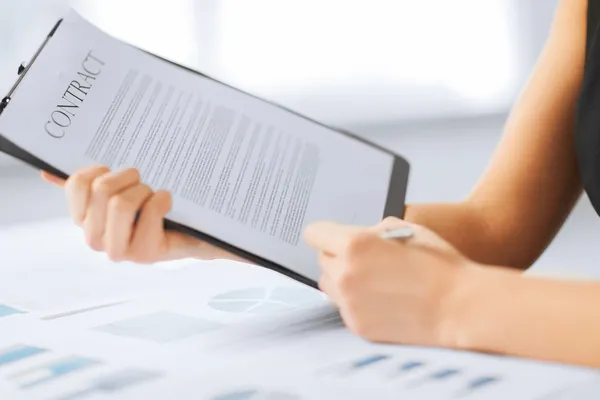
{"x":55,"y":180}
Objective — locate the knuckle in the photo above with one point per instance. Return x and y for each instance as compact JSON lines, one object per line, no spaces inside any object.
{"x":75,"y":182}
{"x":100,"y":170}
{"x":122,"y":204}
{"x":159,"y":203}
{"x":165,"y":198}
{"x":152,"y":207}
{"x":134,"y":173}
{"x":100,"y":187}
{"x":146,"y":189}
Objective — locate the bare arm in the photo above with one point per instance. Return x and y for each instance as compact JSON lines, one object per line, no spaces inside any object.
{"x":502,"y":311}
{"x":532,"y":182}
{"x":421,"y":291}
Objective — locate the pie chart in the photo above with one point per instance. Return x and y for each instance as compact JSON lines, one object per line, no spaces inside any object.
{"x":261,"y":300}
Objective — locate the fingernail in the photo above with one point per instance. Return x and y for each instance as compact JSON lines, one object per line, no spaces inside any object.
{"x":397,"y":233}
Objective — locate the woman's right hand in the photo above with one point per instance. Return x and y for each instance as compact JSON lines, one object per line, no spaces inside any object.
{"x":105,"y":205}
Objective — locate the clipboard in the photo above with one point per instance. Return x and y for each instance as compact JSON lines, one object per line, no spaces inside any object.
{"x":395,"y":204}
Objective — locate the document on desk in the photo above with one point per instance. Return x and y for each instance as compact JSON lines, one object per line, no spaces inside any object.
{"x":248,"y":174}
{"x":217,"y":329}
{"x":41,"y":359}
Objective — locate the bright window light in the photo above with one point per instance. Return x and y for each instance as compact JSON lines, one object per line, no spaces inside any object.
{"x":164,"y":28}
{"x":275,"y":46}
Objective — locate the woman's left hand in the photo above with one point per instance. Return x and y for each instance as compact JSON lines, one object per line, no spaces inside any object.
{"x":396,"y":291}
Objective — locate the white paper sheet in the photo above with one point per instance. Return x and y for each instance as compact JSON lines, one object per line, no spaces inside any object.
{"x":212,"y":329}
{"x":332,"y":364}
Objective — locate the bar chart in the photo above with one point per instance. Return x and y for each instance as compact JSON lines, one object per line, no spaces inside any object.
{"x":33,"y":369}
{"x":6,"y":311}
{"x":39,"y":375}
{"x":16,"y":353}
{"x":415,"y":374}
{"x":114,"y":382}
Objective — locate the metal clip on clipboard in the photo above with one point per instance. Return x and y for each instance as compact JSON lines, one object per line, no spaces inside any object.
{"x":9,"y":147}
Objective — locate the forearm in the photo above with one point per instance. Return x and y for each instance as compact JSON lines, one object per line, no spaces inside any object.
{"x":501,"y":311}
{"x":465,"y":227}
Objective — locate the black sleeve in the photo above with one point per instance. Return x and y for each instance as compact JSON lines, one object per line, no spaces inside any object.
{"x":593,"y":18}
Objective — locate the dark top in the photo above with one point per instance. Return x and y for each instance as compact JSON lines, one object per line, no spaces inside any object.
{"x":587,"y":132}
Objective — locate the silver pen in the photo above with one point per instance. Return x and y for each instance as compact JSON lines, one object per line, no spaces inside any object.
{"x":404,"y":232}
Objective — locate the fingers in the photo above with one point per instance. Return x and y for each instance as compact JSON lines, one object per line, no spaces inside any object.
{"x":121,"y":215}
{"x":330,"y":237}
{"x":149,"y":238}
{"x":331,"y":266}
{"x":78,"y":188}
{"x":331,"y":270}
{"x":53,"y":179}
{"x":419,"y":237}
{"x":327,"y":286}
{"x":390,"y":223}
{"x":335,"y":239}
{"x":103,"y":188}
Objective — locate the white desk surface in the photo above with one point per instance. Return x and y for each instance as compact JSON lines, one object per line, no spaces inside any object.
{"x":206,"y":329}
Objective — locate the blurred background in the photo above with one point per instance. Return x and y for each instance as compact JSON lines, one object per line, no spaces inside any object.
{"x":431,"y":79}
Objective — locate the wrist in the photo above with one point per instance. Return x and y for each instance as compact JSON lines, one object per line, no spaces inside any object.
{"x":471,"y":304}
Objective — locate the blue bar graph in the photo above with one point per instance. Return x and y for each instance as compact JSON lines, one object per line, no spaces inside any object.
{"x":405,"y":368}
{"x":367,"y":361}
{"x":443,"y":374}
{"x":114,"y":382}
{"x":416,"y":373}
{"x":410,"y":365}
{"x":354,"y":366}
{"x":483,"y":381}
{"x":436,"y":376}
{"x":17,"y":353}
{"x":479,"y":383}
{"x":6,"y":311}
{"x":350,"y":367}
{"x":52,"y":371}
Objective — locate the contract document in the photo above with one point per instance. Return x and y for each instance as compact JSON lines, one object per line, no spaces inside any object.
{"x":245,"y":174}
